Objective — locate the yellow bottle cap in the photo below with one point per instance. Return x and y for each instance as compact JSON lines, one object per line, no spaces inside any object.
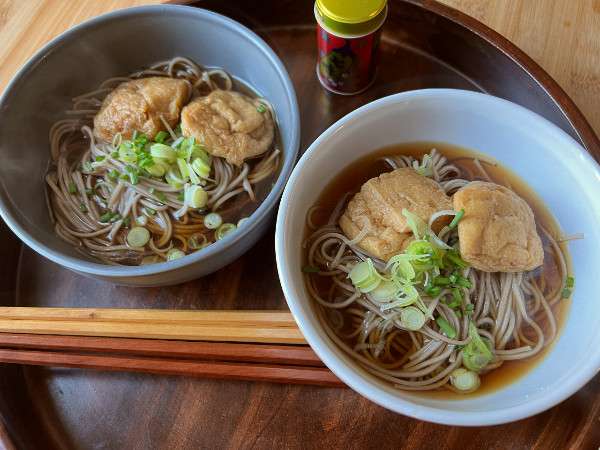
{"x":351,"y":11}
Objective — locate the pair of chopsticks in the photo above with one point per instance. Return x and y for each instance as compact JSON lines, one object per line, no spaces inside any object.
{"x":253,"y":345}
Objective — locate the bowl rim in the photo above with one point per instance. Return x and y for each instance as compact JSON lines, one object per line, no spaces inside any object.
{"x":328,"y":351}
{"x":254,"y":220}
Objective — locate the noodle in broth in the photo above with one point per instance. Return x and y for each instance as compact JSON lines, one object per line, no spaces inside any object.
{"x":513,"y":312}
{"x":81,"y":189}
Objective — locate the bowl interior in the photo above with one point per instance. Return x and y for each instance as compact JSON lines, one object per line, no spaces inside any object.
{"x":115,"y":45}
{"x":557,"y":168}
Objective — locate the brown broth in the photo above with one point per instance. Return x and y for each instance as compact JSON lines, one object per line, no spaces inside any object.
{"x":352,"y":177}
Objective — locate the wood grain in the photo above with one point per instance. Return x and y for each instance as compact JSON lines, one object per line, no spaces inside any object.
{"x":58,"y":408}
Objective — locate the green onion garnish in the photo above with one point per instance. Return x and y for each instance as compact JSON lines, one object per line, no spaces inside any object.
{"x":570,"y":282}
{"x":83,"y":208}
{"x":126,"y":221}
{"x":261,"y":108}
{"x":72,"y":188}
{"x":150,"y":211}
{"x":455,"y":259}
{"x":441,"y":281}
{"x":463,"y":282}
{"x":161,"y":136}
{"x":174,"y":253}
{"x":161,"y":196}
{"x":445,"y":327}
{"x":566,"y":293}
{"x":224,"y":230}
{"x":459,"y":215}
{"x":138,"y":237}
{"x":87,"y":167}
{"x":113,"y":174}
{"x":105,"y":218}
{"x":181,"y":196}
{"x":114,"y":155}
{"x":100,"y":158}
{"x":212,"y":221}
{"x":464,"y":380}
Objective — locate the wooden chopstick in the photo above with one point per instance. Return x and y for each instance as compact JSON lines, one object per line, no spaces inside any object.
{"x":233,"y":326}
{"x":210,"y":369}
{"x":224,"y":351}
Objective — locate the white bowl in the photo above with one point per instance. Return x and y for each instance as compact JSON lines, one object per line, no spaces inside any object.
{"x":561,"y":172}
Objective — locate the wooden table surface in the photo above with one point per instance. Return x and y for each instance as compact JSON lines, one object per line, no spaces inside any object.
{"x":563,"y":36}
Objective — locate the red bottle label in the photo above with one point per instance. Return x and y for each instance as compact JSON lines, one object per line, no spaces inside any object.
{"x":347,"y":65}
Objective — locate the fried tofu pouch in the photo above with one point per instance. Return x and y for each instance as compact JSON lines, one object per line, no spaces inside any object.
{"x":497,"y":232}
{"x":379,"y":206}
{"x":138,"y":105}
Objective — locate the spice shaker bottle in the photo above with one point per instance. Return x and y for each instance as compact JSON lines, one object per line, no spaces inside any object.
{"x":348,"y":34}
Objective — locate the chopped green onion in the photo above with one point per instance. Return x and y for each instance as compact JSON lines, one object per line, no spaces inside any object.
{"x":113,"y":174}
{"x":161,"y":136}
{"x":464,"y":380}
{"x":455,"y":259}
{"x":83,"y":208}
{"x":163,"y":151}
{"x":310,"y":269}
{"x":416,"y":224}
{"x":570,"y":282}
{"x":412,"y":318}
{"x":566,"y":293}
{"x":433,"y":291}
{"x":161,"y":196}
{"x":127,"y":221}
{"x":224,"y":230}
{"x":174,"y":253}
{"x":133,"y":178}
{"x":150,"y":211}
{"x":87,"y":166}
{"x":386,"y":291}
{"x":89,"y":192}
{"x":100,"y":158}
{"x":364,"y":276}
{"x":157,"y":169}
{"x":138,"y":237}
{"x":459,"y":215}
{"x":463,"y":282}
{"x":242,"y":221}
{"x":197,"y":241}
{"x":115,"y":217}
{"x":141,"y":220}
{"x":105,"y":218}
{"x":453,"y":278}
{"x":173,"y":177}
{"x":212,"y":221}
{"x":127,"y":154}
{"x":181,"y":196}
{"x":183,"y":168}
{"x":72,"y":188}
{"x":201,"y":168}
{"x":424,"y":168}
{"x":445,"y":327}
{"x":196,"y":197}
{"x":469,"y":307}
{"x":261,"y":108}
{"x":441,"y":281}
{"x":476,"y":354}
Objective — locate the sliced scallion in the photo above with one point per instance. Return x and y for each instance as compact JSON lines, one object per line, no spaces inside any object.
{"x":412,"y":318}
{"x":224,"y":230}
{"x":242,"y":221}
{"x":476,"y":354}
{"x":174,"y":254}
{"x":164,"y":152}
{"x":459,"y":215}
{"x":261,"y":108}
{"x":570,"y":282}
{"x":566,"y":293}
{"x":213,"y":221}
{"x":138,"y":237}
{"x":464,"y":380}
{"x":161,"y":136}
{"x":196,"y":197}
{"x":72,"y":188}
{"x":445,"y":327}
{"x":83,"y":208}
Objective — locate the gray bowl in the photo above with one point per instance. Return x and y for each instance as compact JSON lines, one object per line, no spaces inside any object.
{"x":111,"y":45}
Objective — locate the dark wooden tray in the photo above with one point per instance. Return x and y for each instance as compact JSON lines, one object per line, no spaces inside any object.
{"x":424,"y":45}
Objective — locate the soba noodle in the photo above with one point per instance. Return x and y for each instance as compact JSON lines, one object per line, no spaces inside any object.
{"x":80,"y":189}
{"x":513,"y":311}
